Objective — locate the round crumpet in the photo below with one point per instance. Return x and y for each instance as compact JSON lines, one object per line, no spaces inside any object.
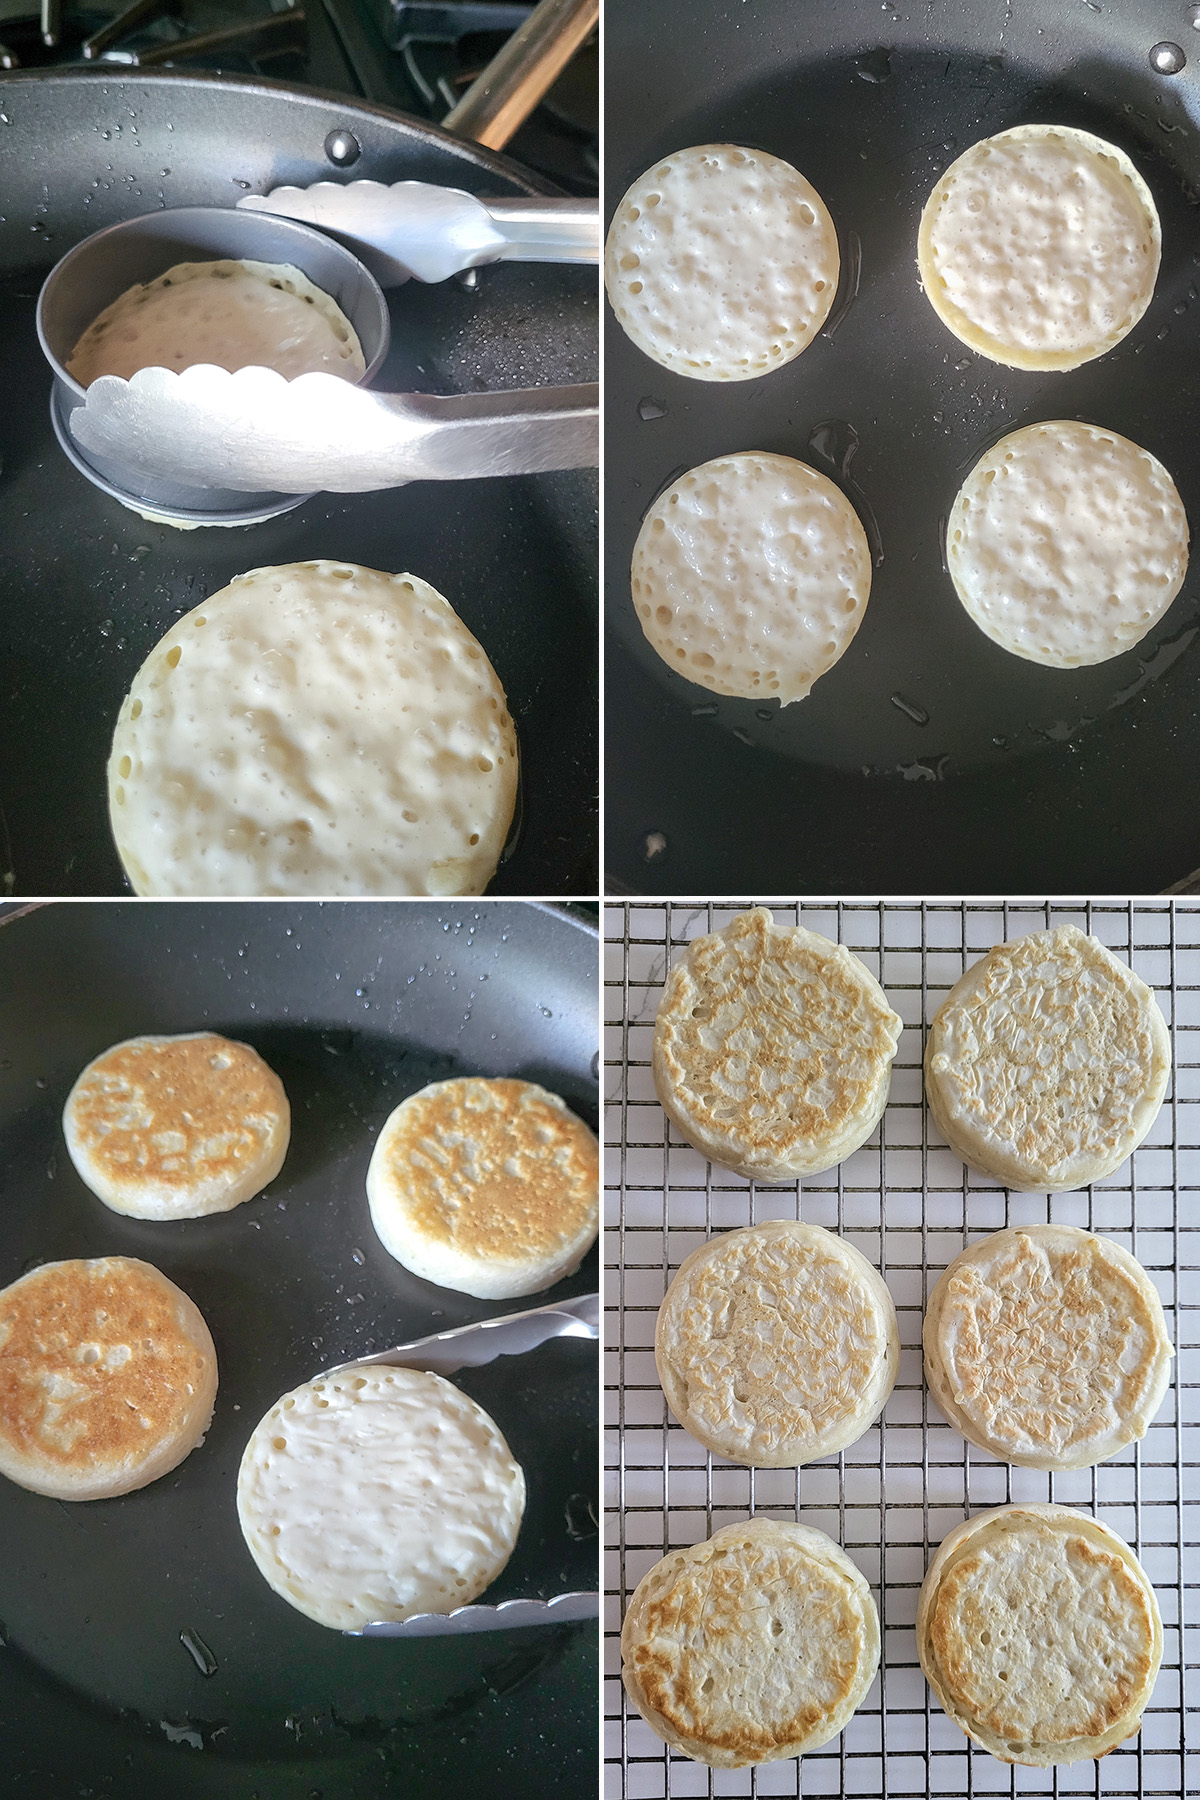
{"x":108,"y":1378}
{"x":378,"y":1493}
{"x":487,"y":1185}
{"x":1047,"y":1062}
{"x":1066,"y":543}
{"x":231,"y":314}
{"x":1040,"y":247}
{"x":177,"y":1127}
{"x":1039,"y":1633}
{"x":777,"y":1344}
{"x":1047,"y":1346}
{"x":751,"y":575}
{"x":315,"y":728}
{"x":721,"y":262}
{"x":757,"y":1645}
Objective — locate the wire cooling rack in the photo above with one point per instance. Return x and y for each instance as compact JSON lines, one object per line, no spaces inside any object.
{"x":910,"y":1206}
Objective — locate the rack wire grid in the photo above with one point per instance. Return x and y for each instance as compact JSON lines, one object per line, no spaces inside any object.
{"x":910,"y":1206}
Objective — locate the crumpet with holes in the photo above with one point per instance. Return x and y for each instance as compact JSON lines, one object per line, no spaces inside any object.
{"x":315,"y":728}
{"x":1066,"y":543}
{"x":377,"y":1493}
{"x":1040,"y":1635}
{"x":721,"y":262}
{"x":1040,"y":247}
{"x":773,"y":1049}
{"x":751,"y":575}
{"x":487,"y":1185}
{"x":108,"y":1377}
{"x":1047,"y":1346}
{"x":232,"y":314}
{"x":756,"y":1645}
{"x":777,"y":1344}
{"x":176,"y":1127}
{"x":1047,"y":1062}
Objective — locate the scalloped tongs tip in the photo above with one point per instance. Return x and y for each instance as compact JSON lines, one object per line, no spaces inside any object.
{"x":470,"y":1347}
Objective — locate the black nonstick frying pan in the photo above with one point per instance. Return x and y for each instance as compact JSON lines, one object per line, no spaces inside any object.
{"x":87,"y":587}
{"x":355,"y":1006}
{"x":928,"y":760}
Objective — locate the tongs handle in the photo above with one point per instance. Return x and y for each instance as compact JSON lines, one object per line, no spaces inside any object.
{"x":256,"y":432}
{"x":537,"y":230}
{"x":419,"y":229}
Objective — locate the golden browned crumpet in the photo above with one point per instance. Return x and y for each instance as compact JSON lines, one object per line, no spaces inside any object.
{"x":108,"y":1378}
{"x":176,"y":1127}
{"x":1040,"y":1635}
{"x":773,"y":1049}
{"x":777,"y":1344}
{"x":755,"y":1645}
{"x":1047,"y":1346}
{"x":1047,"y":1062}
{"x":487,"y":1185}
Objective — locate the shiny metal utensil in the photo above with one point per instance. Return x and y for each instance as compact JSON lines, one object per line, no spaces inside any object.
{"x":257,"y":432}
{"x":417,"y":229}
{"x":470,"y":1347}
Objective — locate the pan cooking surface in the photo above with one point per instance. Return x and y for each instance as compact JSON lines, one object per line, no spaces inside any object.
{"x":927,"y":757}
{"x":354,"y":1006}
{"x":87,"y":587}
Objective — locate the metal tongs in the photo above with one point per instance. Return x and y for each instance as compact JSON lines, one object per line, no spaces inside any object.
{"x":470,"y":1347}
{"x":255,"y":431}
{"x":416,"y":229}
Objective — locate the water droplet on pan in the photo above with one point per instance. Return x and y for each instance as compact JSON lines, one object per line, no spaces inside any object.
{"x":1168,"y":58}
{"x":199,"y":1652}
{"x":917,"y":714}
{"x":874,"y":66}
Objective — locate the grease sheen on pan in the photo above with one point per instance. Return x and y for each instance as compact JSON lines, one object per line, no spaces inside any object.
{"x":315,"y":728}
{"x":773,"y":1049}
{"x":1040,"y":247}
{"x":1047,"y":1346}
{"x":1067,"y":543}
{"x":721,"y":262}
{"x":228,"y":313}
{"x":108,"y":1377}
{"x":758,"y":1644}
{"x":1047,"y":1062}
{"x":177,"y":1127}
{"x":777,"y":1344}
{"x":1040,"y":1635}
{"x":378,"y":1493}
{"x":750,"y":576}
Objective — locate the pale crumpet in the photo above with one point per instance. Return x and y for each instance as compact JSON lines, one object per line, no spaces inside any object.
{"x":1040,"y":247}
{"x":1067,"y":543}
{"x":777,"y":1344}
{"x":377,"y":1493}
{"x":318,"y":729}
{"x":1047,"y":1062}
{"x":721,"y":262}
{"x":751,"y":575}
